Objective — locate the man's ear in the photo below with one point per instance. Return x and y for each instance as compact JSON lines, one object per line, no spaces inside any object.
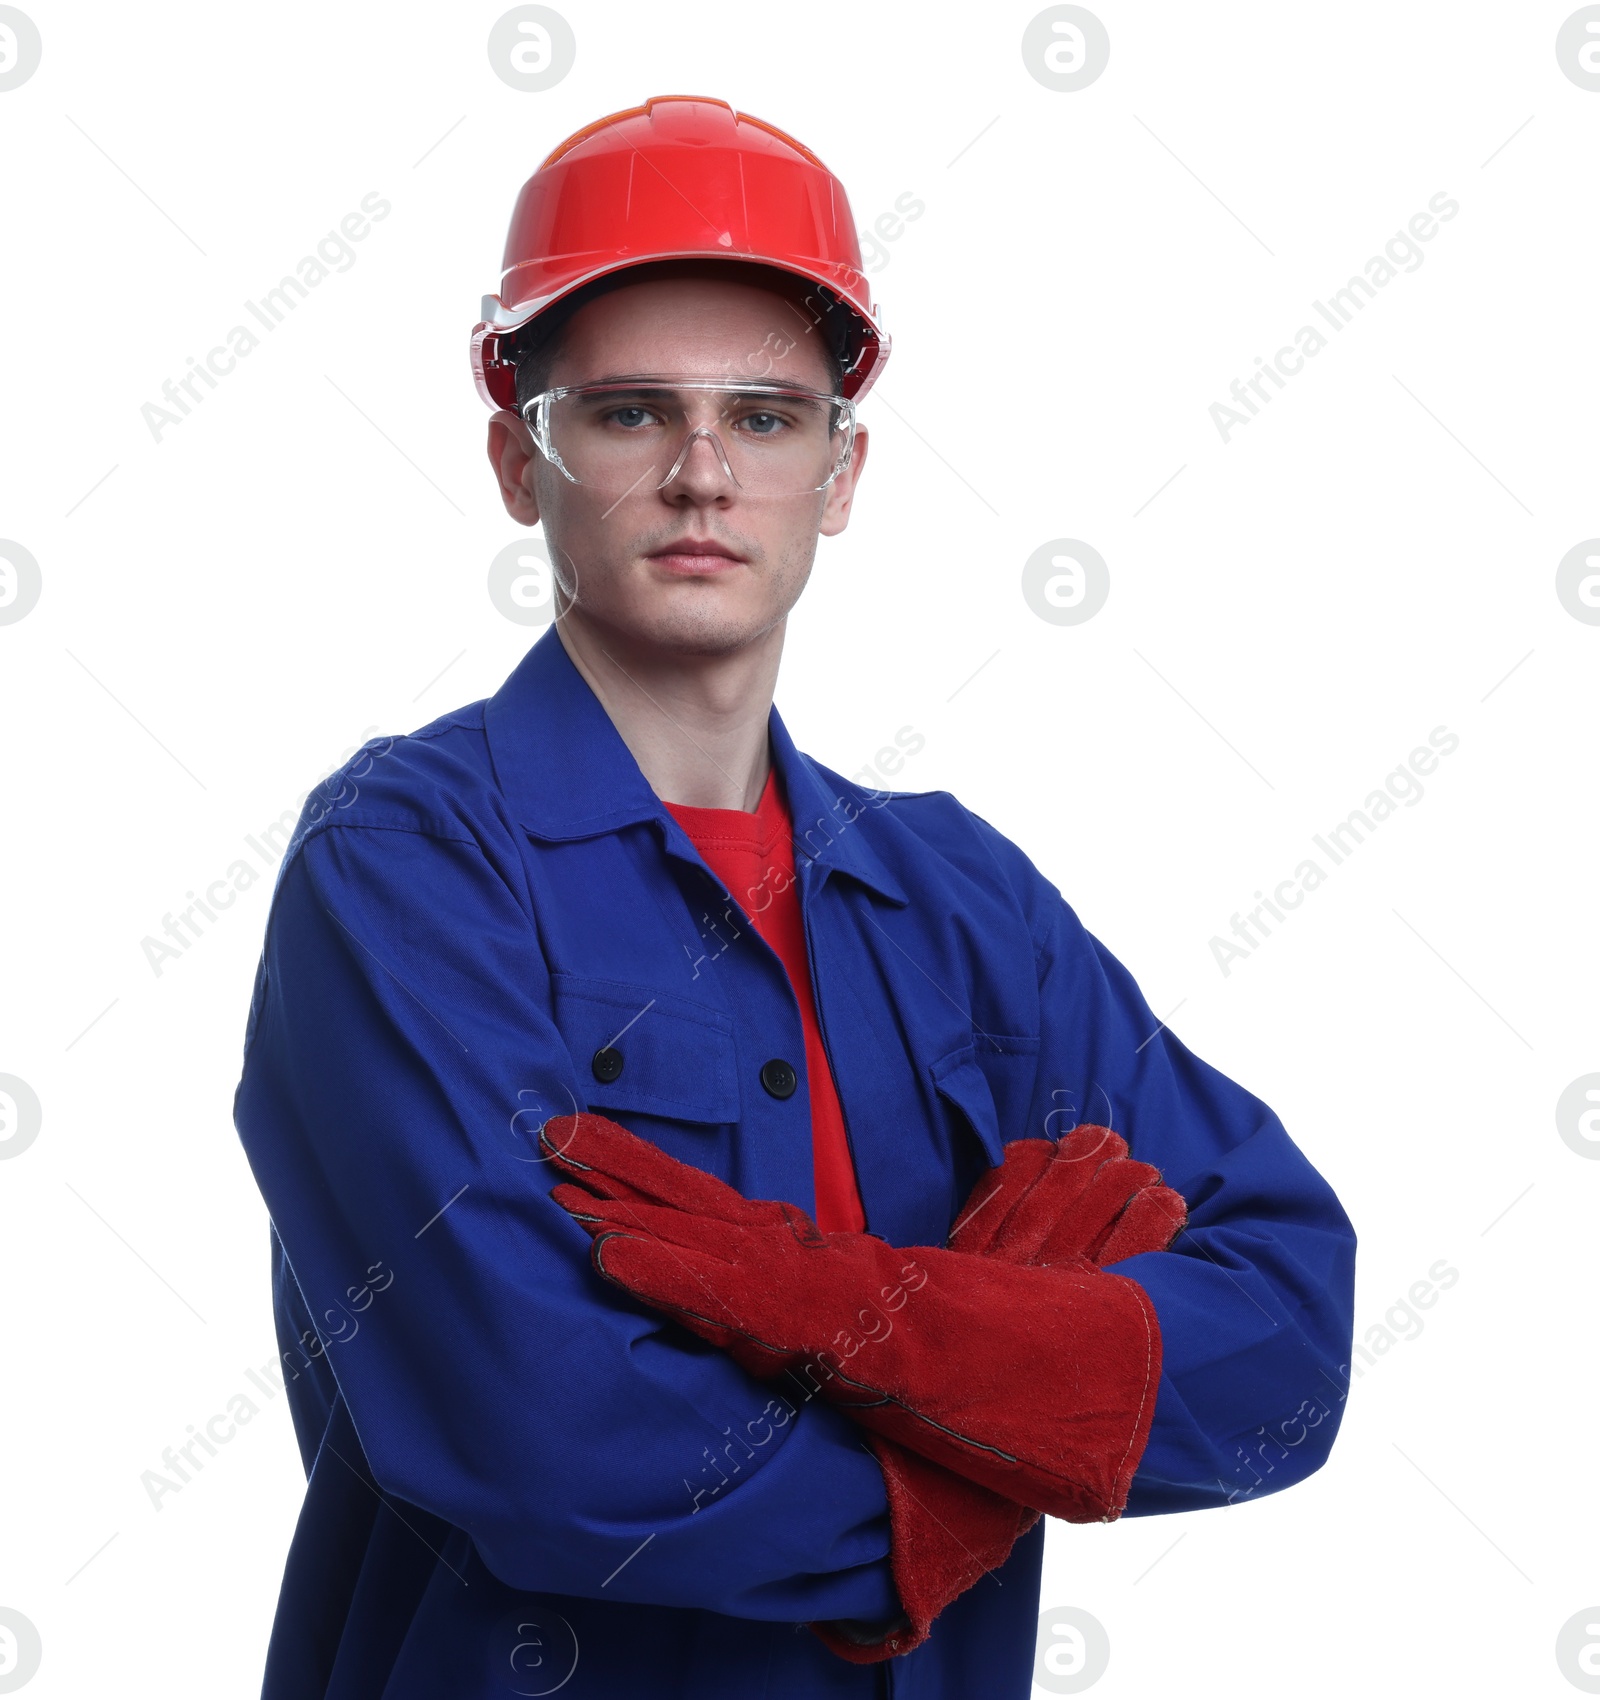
{"x":841,"y":492}
{"x":511,"y":454}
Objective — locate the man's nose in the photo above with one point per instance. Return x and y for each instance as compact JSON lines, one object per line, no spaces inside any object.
{"x":702,"y":465}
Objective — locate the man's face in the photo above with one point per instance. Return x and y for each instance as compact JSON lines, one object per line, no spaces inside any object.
{"x":615,"y":558}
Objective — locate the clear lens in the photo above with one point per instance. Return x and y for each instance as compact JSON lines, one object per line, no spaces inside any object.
{"x":771,"y":440}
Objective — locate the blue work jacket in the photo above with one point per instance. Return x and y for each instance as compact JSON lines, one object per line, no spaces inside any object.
{"x":521,"y":1481}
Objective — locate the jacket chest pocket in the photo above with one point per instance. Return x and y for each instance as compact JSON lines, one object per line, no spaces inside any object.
{"x":640,"y":1051}
{"x":989,"y":1088}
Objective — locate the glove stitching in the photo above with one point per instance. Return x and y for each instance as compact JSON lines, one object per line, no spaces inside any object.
{"x":883,"y":1398}
{"x":1147,"y":1312}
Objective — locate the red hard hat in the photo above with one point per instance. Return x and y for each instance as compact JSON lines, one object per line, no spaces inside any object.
{"x":681,"y":177}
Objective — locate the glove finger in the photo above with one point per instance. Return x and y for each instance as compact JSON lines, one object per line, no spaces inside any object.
{"x":1087,"y":1217}
{"x":996,"y":1195}
{"x":678,"y":1280}
{"x":660,"y":1223}
{"x":606,"y":1187}
{"x":1151,"y":1222}
{"x":582,"y":1205}
{"x":1088,"y":1138}
{"x":751,"y":1212}
{"x":607,"y":1158}
{"x":1072,"y":1197}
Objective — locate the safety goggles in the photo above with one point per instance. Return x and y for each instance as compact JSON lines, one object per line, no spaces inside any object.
{"x":769,"y":439}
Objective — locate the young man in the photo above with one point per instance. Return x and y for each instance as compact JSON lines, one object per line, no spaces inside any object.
{"x":717,"y":1207}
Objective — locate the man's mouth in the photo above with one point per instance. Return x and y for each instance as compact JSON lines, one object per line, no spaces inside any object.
{"x":696,"y":556}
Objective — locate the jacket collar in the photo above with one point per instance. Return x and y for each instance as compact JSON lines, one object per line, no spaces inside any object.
{"x":567,"y":774}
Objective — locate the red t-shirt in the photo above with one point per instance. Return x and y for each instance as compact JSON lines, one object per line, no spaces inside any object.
{"x":753,"y":855}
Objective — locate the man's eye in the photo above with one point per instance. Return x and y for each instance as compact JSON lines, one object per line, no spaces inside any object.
{"x":630,"y":418}
{"x":763,"y":424}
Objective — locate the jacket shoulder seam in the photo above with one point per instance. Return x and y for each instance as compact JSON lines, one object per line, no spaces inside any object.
{"x":441,"y":831}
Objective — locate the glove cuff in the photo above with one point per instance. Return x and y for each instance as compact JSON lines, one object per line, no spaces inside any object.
{"x":946,"y":1533}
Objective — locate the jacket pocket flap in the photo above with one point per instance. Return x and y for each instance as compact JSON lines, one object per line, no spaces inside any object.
{"x":677,"y":1056}
{"x":958,"y":1079}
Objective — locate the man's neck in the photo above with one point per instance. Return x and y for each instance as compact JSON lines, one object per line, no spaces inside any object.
{"x":696,"y":725}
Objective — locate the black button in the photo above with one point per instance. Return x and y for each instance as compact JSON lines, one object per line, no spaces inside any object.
{"x":779,"y":1078}
{"x":607,"y":1064}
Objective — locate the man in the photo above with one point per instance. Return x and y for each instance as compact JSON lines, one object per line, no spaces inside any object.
{"x":716,"y":1207}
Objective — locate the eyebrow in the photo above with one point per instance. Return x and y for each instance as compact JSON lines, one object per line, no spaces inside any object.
{"x":632,"y":379}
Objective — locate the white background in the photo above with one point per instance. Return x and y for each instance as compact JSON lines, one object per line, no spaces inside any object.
{"x":302,"y":562}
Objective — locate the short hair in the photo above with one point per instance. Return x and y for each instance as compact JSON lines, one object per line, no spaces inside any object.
{"x":538,"y":343}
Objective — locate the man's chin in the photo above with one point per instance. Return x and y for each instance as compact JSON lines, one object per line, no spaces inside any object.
{"x":692,"y":628}
{"x":702,"y":639}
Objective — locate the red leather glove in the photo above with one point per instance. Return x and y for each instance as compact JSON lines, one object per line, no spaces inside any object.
{"x":1080,"y":1197}
{"x":1049,"y":1199}
{"x":947,"y":1532}
{"x":1038,"y":1383}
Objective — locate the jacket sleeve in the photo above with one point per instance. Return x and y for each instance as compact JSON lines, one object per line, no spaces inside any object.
{"x":399,"y":1061}
{"x":1255,"y":1298}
